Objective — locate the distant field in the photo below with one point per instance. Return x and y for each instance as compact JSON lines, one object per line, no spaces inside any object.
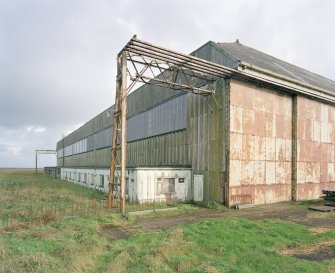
{"x":49,"y":225}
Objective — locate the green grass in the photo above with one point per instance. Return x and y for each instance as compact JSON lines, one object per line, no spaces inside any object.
{"x":75,"y":243}
{"x":225,"y":245}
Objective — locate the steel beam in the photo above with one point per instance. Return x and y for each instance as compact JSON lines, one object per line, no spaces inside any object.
{"x":38,"y":152}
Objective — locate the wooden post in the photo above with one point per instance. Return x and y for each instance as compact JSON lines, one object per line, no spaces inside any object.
{"x":119,"y":132}
{"x":115,"y":132}
{"x":36,"y":161}
{"x":123,"y":130}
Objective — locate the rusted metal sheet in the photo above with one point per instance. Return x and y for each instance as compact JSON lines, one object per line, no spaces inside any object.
{"x":315,"y":147}
{"x":261,"y":194}
{"x":260,"y":144}
{"x":242,"y":199}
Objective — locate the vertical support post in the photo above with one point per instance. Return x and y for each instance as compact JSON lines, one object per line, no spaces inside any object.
{"x":63,"y":152}
{"x":123,"y":130}
{"x":294,"y":194}
{"x":119,"y":133}
{"x":36,"y":161}
{"x":115,"y":132}
{"x":227,"y":142}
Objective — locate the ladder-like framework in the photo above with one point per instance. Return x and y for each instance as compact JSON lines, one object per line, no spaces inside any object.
{"x":150,"y":64}
{"x":38,"y":152}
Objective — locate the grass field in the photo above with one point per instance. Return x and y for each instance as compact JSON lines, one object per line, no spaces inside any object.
{"x":45,"y":230}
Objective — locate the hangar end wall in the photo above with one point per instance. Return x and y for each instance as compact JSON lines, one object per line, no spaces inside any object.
{"x":281,"y":146}
{"x":315,"y":148}
{"x":260,"y":144}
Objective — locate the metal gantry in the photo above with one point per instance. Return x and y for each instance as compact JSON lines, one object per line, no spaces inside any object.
{"x":38,"y":152}
{"x":143,"y":63}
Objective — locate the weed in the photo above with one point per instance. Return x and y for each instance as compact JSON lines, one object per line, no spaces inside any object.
{"x":67,"y":236}
{"x":212,"y":205}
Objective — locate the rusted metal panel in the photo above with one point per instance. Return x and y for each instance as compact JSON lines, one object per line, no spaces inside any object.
{"x":236,"y":119}
{"x":260,"y":172}
{"x":260,"y":148}
{"x":260,"y":165}
{"x":270,"y":172}
{"x":248,"y":147}
{"x":315,"y":147}
{"x":261,"y":194}
{"x":235,"y":172}
{"x":236,"y":146}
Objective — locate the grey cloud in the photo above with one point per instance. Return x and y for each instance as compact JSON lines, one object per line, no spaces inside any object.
{"x":57,"y":58}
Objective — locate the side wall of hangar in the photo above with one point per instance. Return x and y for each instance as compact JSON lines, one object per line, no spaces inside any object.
{"x":249,"y":140}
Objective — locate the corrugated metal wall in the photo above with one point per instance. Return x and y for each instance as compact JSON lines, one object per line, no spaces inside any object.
{"x":166,"y":117}
{"x":205,"y":139}
{"x":143,"y":99}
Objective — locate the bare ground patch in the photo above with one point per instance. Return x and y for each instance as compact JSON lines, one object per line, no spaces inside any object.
{"x":320,"y":252}
{"x":317,"y":221}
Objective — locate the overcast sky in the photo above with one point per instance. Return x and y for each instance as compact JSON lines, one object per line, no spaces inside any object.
{"x":57,"y":57}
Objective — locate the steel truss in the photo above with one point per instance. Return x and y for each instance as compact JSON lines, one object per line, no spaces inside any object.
{"x":144,"y":63}
{"x":38,"y":152}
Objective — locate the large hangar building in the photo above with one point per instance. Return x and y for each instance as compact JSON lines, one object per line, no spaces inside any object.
{"x":267,"y":135}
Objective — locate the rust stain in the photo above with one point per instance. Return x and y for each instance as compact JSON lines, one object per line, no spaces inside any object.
{"x":280,"y":149}
{"x":260,"y":123}
{"x":270,"y":148}
{"x":240,"y":199}
{"x":288,"y":127}
{"x":266,"y":131}
{"x":248,"y":152}
{"x":324,"y":172}
{"x":331,"y":115}
{"x":235,"y":172}
{"x":260,"y":148}
{"x":280,"y":126}
{"x":270,"y":174}
{"x":236,"y":146}
{"x":236,"y":120}
{"x":248,"y":122}
{"x":248,"y":173}
{"x":260,"y":174}
{"x":270,"y":125}
{"x":263,"y":194}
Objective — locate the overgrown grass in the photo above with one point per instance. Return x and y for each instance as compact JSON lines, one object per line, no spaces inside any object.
{"x":225,"y":245}
{"x":75,"y":243}
{"x":49,"y":243}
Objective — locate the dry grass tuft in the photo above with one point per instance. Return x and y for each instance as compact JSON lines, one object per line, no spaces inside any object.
{"x":26,"y":263}
{"x":172,"y":247}
{"x":307,"y":249}
{"x":317,"y":252}
{"x":184,"y":266}
{"x":48,"y":216}
{"x":84,"y":262}
{"x":209,"y":268}
{"x":120,"y":264}
{"x":320,"y":230}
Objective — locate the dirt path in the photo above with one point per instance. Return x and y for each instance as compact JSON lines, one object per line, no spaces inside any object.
{"x":283,"y":211}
